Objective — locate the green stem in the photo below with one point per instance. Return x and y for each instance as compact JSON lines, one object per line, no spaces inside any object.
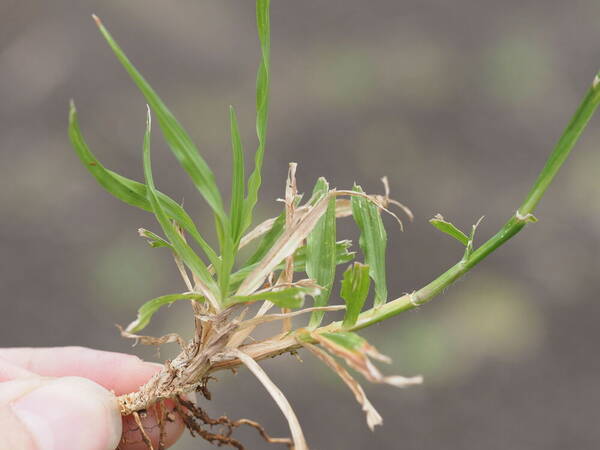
{"x":515,"y":224}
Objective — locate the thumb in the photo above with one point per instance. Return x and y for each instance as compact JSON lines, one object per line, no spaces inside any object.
{"x":57,"y":414}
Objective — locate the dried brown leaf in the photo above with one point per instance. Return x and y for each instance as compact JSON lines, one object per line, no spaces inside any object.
{"x":272,"y":317}
{"x":285,"y":246}
{"x":373,"y":417}
{"x":151,"y":340}
{"x":343,"y":209}
{"x":358,"y":358}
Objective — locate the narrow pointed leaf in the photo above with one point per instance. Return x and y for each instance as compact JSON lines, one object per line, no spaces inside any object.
{"x":178,"y":139}
{"x":130,"y":191}
{"x":347,"y":340}
{"x":225,"y":267}
{"x":292,"y":297}
{"x":355,"y":289}
{"x":267,"y":241}
{"x":154,"y":240}
{"x":181,"y":248}
{"x":446,"y":227}
{"x":373,"y":240}
{"x":236,"y":212}
{"x":320,"y":189}
{"x":321,"y":252}
{"x":148,"y":309}
{"x":229,"y":238}
{"x":262,"y":107}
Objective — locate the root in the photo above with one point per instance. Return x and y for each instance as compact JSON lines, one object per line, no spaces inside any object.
{"x":194,"y":417}
{"x":203,"y":389}
{"x":161,"y":414}
{"x":263,"y":432}
{"x":191,"y":423}
{"x":145,"y":437}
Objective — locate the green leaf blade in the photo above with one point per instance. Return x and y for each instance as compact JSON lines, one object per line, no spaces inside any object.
{"x":178,"y":139}
{"x":347,"y":340}
{"x":154,"y":240}
{"x":236,"y":212}
{"x":267,"y":241}
{"x":321,"y":252}
{"x":148,"y":309}
{"x":355,"y":289}
{"x":262,"y":107}
{"x":373,"y":242}
{"x":320,"y":189}
{"x":181,"y":248}
{"x":446,"y":227}
{"x":291,"y":297}
{"x":129,"y":191}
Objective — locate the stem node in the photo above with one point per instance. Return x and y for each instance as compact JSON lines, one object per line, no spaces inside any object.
{"x":525,"y":218}
{"x":413,"y":299}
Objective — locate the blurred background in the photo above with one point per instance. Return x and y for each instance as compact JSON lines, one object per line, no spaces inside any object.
{"x":458,"y":103}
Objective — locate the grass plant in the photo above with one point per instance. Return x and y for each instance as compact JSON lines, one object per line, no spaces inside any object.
{"x":295,"y":256}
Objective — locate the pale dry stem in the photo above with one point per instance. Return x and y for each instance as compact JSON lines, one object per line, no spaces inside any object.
{"x":278,"y":397}
{"x":287,"y":275}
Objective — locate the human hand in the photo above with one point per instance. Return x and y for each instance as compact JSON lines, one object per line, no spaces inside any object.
{"x":60,"y":399}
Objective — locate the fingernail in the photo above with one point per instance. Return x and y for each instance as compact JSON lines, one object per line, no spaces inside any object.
{"x":70,"y":412}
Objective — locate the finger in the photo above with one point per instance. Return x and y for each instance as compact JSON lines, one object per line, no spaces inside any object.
{"x":70,"y":412}
{"x":118,"y":372}
{"x":132,"y":438}
{"x":9,"y":371}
